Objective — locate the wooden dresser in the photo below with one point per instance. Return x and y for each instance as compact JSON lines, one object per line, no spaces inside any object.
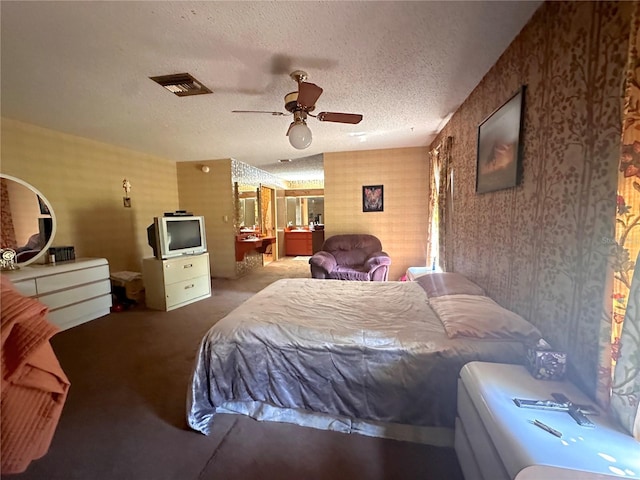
{"x":76,"y":291}
{"x":303,"y":242}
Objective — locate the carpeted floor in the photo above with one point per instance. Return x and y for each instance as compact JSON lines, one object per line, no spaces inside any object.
{"x":125,"y":414}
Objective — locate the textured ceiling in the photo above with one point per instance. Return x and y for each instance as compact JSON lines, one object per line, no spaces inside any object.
{"x":83,"y":67}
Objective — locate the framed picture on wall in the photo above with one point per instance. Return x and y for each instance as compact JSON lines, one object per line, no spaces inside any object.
{"x":372,"y":198}
{"x":499,"y":155}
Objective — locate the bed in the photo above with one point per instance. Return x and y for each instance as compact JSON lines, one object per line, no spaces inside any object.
{"x":376,"y":358}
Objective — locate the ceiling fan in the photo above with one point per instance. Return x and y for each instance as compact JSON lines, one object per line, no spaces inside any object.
{"x":300,"y":104}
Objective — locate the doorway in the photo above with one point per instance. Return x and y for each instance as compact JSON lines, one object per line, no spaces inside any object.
{"x":267,"y":213}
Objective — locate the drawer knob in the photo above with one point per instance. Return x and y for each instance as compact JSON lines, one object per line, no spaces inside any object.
{"x":189,"y":286}
{"x":188,"y":265}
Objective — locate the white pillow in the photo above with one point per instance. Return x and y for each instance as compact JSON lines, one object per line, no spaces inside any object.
{"x":478,"y":316}
{"x":448,"y":283}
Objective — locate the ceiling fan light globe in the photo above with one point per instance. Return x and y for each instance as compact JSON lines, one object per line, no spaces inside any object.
{"x":300,"y":136}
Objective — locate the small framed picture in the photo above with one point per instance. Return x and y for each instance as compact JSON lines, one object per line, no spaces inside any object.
{"x":372,"y":198}
{"x":126,"y":201}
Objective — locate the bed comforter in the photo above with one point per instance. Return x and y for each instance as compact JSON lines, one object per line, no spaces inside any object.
{"x":365,"y":350}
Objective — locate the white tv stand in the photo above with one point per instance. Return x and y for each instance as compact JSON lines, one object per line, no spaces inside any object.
{"x":76,"y":291}
{"x":176,"y":282}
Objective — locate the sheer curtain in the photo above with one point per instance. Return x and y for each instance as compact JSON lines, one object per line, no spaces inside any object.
{"x":432,"y":253}
{"x":625,"y":387}
{"x":620,"y":341}
{"x":440,"y":204}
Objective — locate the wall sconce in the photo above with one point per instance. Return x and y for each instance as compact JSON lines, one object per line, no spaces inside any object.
{"x":126,"y":186}
{"x":205,"y":169}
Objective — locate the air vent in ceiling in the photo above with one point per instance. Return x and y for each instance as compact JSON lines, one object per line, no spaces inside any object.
{"x":182,"y":84}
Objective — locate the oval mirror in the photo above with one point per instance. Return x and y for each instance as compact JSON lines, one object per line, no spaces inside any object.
{"x":28,"y":221}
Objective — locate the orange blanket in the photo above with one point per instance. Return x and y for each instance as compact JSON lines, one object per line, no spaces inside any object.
{"x":34,"y":386}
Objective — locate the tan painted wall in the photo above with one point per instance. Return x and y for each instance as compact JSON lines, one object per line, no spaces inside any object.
{"x":211,"y":194}
{"x":402,"y":226}
{"x":83,"y":181}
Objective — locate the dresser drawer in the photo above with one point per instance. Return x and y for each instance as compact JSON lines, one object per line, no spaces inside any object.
{"x":73,"y":278}
{"x":75,"y":291}
{"x":76,"y":295}
{"x":26,"y":287}
{"x":78,"y":313}
{"x":182,"y":269}
{"x":177,"y":293}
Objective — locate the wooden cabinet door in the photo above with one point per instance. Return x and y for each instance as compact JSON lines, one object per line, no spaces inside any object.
{"x":298,"y":243}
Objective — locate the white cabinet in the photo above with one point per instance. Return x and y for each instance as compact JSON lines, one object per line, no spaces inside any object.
{"x":495,"y":439}
{"x":176,"y":282}
{"x":75,"y":292}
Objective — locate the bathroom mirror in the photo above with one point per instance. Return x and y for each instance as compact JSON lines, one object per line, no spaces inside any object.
{"x":248,"y":209}
{"x":28,"y":220}
{"x":301,"y":211}
{"x":246,"y":200}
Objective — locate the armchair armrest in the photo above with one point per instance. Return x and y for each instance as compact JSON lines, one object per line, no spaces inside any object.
{"x":376,"y":259}
{"x":323,"y":260}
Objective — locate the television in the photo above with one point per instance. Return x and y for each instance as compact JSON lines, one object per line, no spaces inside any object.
{"x":172,"y":236}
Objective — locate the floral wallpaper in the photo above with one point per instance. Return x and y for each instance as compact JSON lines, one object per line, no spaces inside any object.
{"x":542,"y":248}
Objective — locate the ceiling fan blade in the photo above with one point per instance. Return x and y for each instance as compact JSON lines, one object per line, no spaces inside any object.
{"x":259,"y":111}
{"x":308,"y":94}
{"x":339,"y":117}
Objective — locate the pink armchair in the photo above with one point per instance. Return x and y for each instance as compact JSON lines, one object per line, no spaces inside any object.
{"x":351,"y":257}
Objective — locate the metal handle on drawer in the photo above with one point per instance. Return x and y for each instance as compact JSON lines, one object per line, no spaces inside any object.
{"x":187,"y":265}
{"x":189,"y":286}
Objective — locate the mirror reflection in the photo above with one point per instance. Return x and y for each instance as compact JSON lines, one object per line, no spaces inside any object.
{"x":28,"y":222}
{"x":303,"y":211}
{"x":247,"y":207}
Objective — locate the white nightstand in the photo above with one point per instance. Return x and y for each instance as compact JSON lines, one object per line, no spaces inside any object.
{"x":495,"y":439}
